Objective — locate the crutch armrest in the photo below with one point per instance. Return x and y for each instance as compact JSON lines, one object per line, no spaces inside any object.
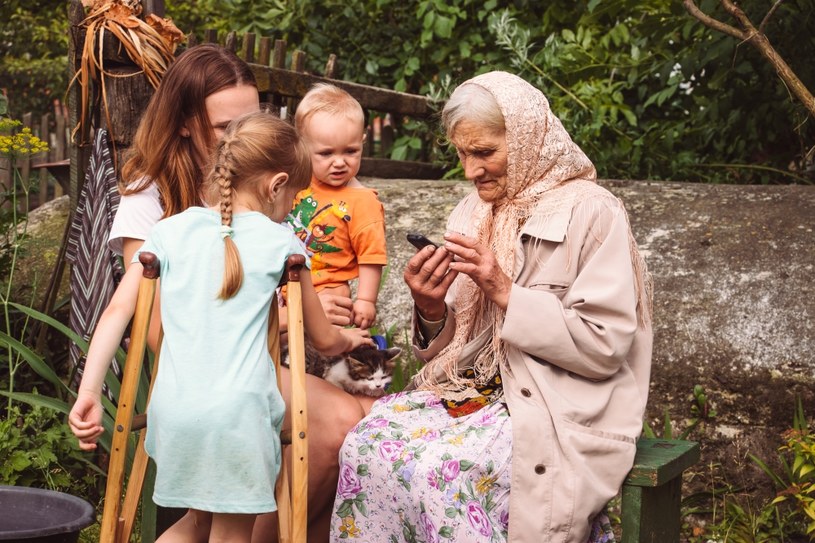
{"x":151,"y":265}
{"x":294,"y":265}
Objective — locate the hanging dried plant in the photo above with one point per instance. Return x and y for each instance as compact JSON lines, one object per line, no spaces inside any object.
{"x":150,"y":44}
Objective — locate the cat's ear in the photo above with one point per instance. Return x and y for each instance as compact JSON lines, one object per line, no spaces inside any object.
{"x":354,"y":364}
{"x":393,"y":352}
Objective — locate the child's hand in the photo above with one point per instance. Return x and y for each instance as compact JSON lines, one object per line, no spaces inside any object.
{"x":357,"y":337}
{"x":364,"y":313}
{"x":85,"y":420}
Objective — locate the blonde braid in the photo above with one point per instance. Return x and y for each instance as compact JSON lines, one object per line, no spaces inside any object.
{"x":233,"y":269}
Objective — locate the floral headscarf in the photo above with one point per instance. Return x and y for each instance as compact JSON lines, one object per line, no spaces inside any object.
{"x":547,"y":175}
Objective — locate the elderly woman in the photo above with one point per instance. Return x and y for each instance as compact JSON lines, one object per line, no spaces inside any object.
{"x":534,"y":321}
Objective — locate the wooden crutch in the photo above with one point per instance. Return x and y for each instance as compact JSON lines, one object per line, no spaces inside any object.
{"x":116,"y":522}
{"x":292,"y":491}
{"x":118,"y":519}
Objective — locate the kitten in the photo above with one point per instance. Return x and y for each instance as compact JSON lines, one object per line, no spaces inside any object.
{"x":365,"y":370}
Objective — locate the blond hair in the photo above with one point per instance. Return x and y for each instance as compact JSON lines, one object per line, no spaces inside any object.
{"x":327,"y":98}
{"x":253,"y":147}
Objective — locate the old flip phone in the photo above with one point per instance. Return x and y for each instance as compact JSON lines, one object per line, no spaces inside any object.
{"x":419,"y":241}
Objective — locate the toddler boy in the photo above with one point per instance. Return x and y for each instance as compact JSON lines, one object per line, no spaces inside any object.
{"x":341,"y":222}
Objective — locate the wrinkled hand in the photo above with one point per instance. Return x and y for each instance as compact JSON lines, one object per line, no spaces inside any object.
{"x":338,"y":309}
{"x":85,"y":420}
{"x":428,"y":276}
{"x":364,"y":313}
{"x":477,"y":261}
{"x":357,"y":337}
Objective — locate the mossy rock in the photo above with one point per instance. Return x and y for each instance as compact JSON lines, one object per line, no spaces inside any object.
{"x":38,"y":254}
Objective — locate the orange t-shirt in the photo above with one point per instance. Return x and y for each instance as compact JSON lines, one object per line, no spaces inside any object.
{"x":341,"y":228}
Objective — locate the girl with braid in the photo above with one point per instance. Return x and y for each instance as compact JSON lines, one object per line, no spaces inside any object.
{"x":215,"y":413}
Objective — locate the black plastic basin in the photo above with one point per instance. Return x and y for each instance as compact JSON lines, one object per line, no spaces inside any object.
{"x":37,"y":515}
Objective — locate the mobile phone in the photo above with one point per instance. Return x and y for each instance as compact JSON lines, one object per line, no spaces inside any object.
{"x":419,"y":241}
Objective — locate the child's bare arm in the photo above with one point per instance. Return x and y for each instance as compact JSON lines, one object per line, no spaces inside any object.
{"x":85,"y":418}
{"x":130,"y":247}
{"x":327,"y":338}
{"x":367,"y":291}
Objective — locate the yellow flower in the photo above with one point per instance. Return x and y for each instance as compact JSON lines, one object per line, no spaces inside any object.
{"x":349,"y":527}
{"x":401,"y":408}
{"x":484,"y":484}
{"x":456,"y":439}
{"x":7,"y":124}
{"x":23,"y":143}
{"x":420,"y":433}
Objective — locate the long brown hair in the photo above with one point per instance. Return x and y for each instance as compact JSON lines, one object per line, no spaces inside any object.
{"x":159,"y":154}
{"x":254,"y":147}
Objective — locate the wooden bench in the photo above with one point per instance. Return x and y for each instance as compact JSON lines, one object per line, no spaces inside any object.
{"x":652,"y":492}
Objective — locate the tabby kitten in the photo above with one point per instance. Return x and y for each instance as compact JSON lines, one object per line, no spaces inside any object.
{"x":365,"y":370}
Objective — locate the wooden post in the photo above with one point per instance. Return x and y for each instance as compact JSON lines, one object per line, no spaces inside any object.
{"x":45,"y":125}
{"x":248,"y":47}
{"x":59,"y":150}
{"x":80,"y":151}
{"x":386,"y":136}
{"x":156,"y":7}
{"x":279,"y":61}
{"x":128,"y":93}
{"x":231,"y":41}
{"x":298,"y":64}
{"x":265,"y":50}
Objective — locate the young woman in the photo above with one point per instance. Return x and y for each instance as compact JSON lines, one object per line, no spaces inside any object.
{"x":215,"y":413}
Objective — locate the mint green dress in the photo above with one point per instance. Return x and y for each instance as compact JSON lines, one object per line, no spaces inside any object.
{"x":213,"y":423}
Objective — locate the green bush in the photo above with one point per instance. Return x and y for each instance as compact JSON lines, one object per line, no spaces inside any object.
{"x":37,"y":449}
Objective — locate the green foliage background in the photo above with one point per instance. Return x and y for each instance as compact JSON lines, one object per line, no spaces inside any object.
{"x":645,"y":89}
{"x":33,"y":54}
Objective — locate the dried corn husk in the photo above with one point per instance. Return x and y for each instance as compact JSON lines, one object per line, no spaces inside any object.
{"x":150,"y":44}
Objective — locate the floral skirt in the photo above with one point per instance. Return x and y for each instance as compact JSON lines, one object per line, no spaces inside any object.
{"x":409,"y":472}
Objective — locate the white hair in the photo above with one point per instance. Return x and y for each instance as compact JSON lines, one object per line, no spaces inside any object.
{"x":474,"y":103}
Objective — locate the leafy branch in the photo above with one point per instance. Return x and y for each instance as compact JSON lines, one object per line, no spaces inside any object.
{"x":747,"y":32}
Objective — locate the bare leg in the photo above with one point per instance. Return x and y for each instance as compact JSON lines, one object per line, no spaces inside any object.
{"x":366,"y":402}
{"x":191,"y":528}
{"x":331,"y":414}
{"x":231,"y":528}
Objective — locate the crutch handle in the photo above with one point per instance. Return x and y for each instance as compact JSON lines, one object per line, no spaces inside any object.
{"x":294,"y":265}
{"x":151,"y":265}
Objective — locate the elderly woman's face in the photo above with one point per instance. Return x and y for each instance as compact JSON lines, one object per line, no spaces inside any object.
{"x":483,"y":156}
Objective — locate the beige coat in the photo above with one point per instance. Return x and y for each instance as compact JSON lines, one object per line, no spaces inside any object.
{"x":580,"y":367}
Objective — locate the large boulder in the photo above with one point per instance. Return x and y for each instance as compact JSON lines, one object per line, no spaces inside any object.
{"x":733,"y":301}
{"x":40,"y":239}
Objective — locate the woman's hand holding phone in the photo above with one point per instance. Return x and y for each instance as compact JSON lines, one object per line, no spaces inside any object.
{"x":420,"y":241}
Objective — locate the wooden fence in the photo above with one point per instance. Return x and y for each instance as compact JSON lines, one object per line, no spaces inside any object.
{"x":387,"y":110}
{"x":46,"y":174}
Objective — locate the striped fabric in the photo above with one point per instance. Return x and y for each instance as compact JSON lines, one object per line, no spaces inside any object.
{"x":95,"y":270}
